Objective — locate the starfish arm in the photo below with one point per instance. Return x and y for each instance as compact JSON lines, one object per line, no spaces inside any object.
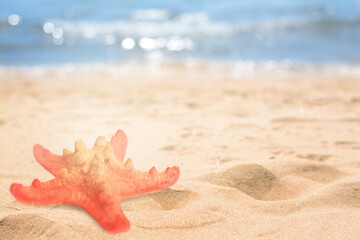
{"x":51,"y":162}
{"x":119,"y":143}
{"x":102,"y":208}
{"x":43,"y":193}
{"x":144,"y":183}
{"x":109,"y":216}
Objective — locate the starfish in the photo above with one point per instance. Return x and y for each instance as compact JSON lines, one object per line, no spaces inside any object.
{"x":95,"y":179}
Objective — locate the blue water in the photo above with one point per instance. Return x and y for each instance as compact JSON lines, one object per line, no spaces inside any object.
{"x":39,"y":32}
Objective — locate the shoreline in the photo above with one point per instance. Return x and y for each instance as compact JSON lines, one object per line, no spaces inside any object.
{"x":189,"y":68}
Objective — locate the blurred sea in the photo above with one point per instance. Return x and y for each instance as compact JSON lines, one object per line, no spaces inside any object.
{"x":278,"y":33}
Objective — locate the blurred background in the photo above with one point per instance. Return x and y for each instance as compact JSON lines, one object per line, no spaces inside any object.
{"x":283,"y":34}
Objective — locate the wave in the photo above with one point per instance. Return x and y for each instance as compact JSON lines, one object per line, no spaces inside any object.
{"x":90,"y":29}
{"x":156,"y":23}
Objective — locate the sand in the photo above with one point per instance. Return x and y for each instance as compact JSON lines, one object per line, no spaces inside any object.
{"x":259,"y":159}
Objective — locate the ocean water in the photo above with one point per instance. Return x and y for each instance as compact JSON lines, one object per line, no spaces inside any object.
{"x":302,"y":32}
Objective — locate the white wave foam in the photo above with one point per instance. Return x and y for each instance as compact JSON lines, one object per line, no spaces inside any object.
{"x":142,"y":28}
{"x":150,"y":14}
{"x":157,"y":23}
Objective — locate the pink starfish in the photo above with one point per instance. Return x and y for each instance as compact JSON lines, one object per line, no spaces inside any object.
{"x":94,"y":179}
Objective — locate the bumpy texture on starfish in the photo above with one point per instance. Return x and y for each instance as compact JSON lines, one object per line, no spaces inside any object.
{"x":94,"y":179}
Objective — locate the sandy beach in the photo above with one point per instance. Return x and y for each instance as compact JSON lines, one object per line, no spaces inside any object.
{"x":260,"y":158}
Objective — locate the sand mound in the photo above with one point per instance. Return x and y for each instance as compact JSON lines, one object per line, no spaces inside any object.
{"x":167,"y":199}
{"x":33,"y":226}
{"x":317,"y":172}
{"x":322,"y":174}
{"x":174,"y":199}
{"x":341,"y":195}
{"x":251,"y":179}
